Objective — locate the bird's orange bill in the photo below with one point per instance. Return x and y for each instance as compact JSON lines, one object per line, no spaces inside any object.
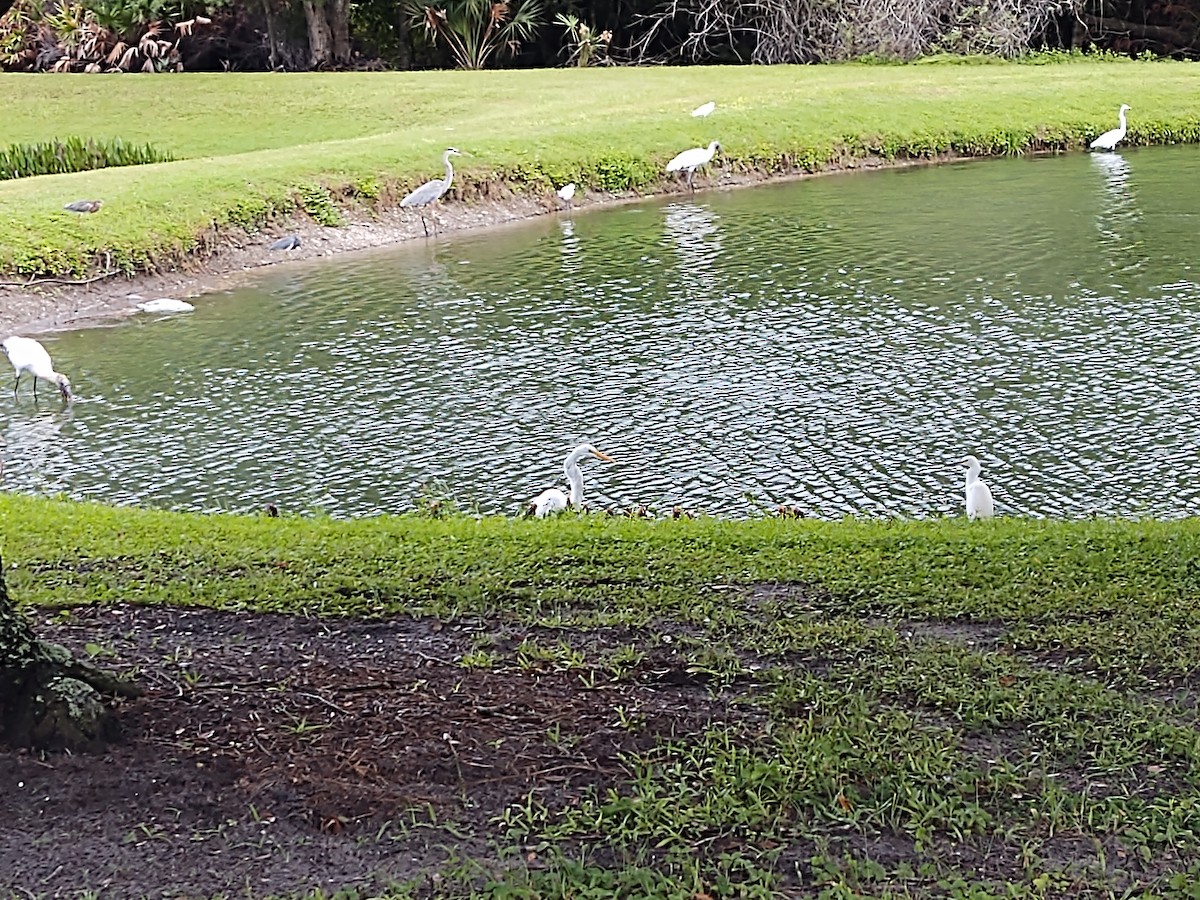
{"x":603,"y":456}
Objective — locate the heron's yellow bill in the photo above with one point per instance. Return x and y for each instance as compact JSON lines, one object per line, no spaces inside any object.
{"x":603,"y":456}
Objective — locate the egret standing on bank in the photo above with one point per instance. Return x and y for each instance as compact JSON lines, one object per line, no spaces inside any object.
{"x":566,"y":193}
{"x":431,"y":191}
{"x":1110,"y":139}
{"x":27,"y":355}
{"x":692,"y":160}
{"x":979,"y":495}
{"x":552,"y":500}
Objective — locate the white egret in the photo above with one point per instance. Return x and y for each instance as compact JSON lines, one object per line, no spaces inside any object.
{"x":705,"y":109}
{"x":27,"y":355}
{"x":431,"y":191}
{"x":979,"y":496}
{"x":693,"y":159}
{"x":566,"y":193}
{"x":552,"y":500}
{"x":1110,"y":139}
{"x":165,"y":305}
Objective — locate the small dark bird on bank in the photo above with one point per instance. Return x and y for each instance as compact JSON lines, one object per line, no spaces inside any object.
{"x":291,"y":242}
{"x":85,"y":206}
{"x":271,"y":510}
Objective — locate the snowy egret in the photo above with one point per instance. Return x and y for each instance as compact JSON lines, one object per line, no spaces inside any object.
{"x":693,"y":159}
{"x":552,"y":500}
{"x":704,"y":110}
{"x":85,"y":206}
{"x":979,"y":496}
{"x":165,"y":305}
{"x":566,"y":193}
{"x":27,"y":355}
{"x":1110,"y":139}
{"x":430,"y":191}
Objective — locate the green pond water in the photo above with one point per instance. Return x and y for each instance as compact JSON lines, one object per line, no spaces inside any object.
{"x":837,"y":344}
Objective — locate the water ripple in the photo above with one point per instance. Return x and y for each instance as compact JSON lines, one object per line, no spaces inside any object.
{"x":837,"y":345}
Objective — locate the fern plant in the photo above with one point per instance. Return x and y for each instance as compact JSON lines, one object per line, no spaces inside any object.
{"x":477,"y":30}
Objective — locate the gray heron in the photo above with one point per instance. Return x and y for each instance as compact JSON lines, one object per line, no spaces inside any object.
{"x":693,"y":159}
{"x":85,"y":206}
{"x":552,"y":500}
{"x":431,"y":191}
{"x":1110,"y":139}
{"x":27,"y":355}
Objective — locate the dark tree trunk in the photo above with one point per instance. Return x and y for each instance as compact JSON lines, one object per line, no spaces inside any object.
{"x":320,"y":38}
{"x":272,"y":35}
{"x":48,"y":698}
{"x":338,"y":13}
{"x":403,"y":39}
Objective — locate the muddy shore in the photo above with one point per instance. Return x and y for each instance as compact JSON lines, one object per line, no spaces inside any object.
{"x":49,"y":304}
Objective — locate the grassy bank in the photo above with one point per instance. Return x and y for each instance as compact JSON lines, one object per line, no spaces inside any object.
{"x":250,"y":147}
{"x":906,"y":709}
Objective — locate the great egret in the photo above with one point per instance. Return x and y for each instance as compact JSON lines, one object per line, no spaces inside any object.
{"x":291,"y":242}
{"x":430,"y":191}
{"x":566,"y":193}
{"x":85,"y":206}
{"x":27,"y":355}
{"x":704,"y":110}
{"x":165,"y":305}
{"x":552,"y":500}
{"x":979,"y":496}
{"x":1110,"y":139}
{"x":693,"y":159}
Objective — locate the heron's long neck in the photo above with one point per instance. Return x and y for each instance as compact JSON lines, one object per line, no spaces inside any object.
{"x":973,"y":474}
{"x":1121,"y":116}
{"x":449,"y":173}
{"x":575,"y":479}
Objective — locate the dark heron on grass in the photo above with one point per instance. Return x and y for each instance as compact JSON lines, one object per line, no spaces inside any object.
{"x":430,"y":191}
{"x":85,"y":206}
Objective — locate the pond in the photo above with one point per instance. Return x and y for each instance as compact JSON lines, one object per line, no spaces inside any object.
{"x":837,"y":344}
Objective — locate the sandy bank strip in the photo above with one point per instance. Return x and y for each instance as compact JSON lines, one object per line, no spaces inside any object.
{"x":55,"y":305}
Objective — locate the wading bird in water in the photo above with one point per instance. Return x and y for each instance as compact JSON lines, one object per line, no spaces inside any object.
{"x":691,"y":160}
{"x":553,"y":500}
{"x":979,"y":496}
{"x":430,"y":191}
{"x":1110,"y":139}
{"x":27,"y":355}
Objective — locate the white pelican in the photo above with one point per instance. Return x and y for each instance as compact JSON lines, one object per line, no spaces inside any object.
{"x":27,"y":355}
{"x":693,"y":159}
{"x":1110,"y":139}
{"x":979,"y":496}
{"x":566,"y":193}
{"x":552,"y":500}
{"x":703,"y":110}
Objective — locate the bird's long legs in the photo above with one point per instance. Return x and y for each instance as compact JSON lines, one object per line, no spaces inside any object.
{"x":17,"y":384}
{"x":691,"y":188}
{"x":421,"y":213}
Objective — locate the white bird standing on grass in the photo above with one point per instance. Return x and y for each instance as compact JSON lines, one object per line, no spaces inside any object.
{"x":704,"y":110}
{"x":552,"y":500}
{"x":27,"y":355}
{"x":1110,"y":139}
{"x":693,"y":159}
{"x":431,"y":191}
{"x":979,"y":495}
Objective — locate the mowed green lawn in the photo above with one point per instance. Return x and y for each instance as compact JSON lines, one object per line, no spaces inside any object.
{"x":903,"y":709}
{"x":246,"y":143}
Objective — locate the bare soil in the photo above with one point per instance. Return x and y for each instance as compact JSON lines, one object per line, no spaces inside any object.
{"x":274,"y":754}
